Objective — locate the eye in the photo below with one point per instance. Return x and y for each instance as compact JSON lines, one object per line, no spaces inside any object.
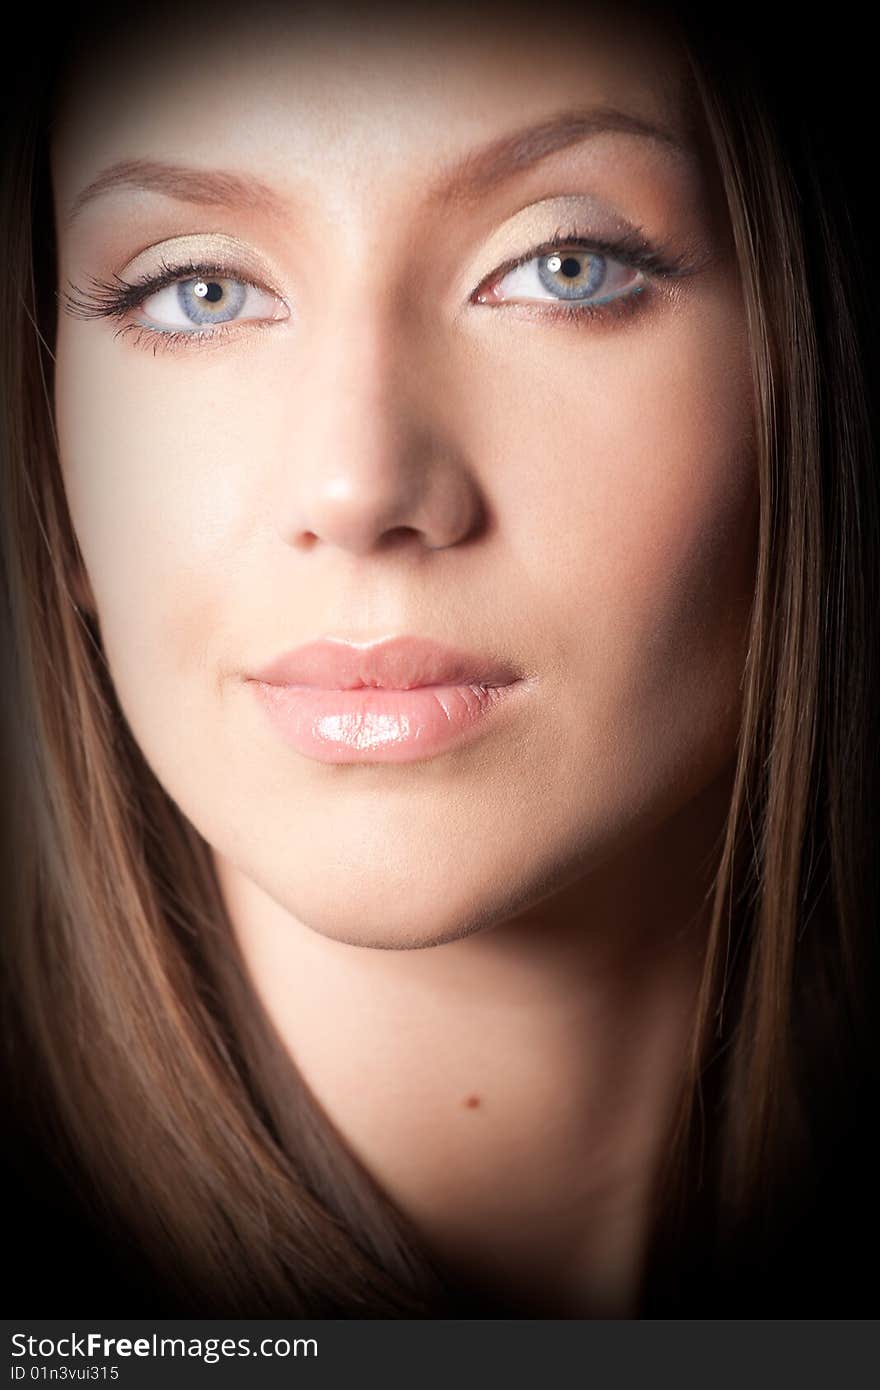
{"x":180,"y":305}
{"x":204,"y":300}
{"x":565,"y":273}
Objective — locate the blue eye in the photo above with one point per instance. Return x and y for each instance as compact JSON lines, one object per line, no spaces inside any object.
{"x":211,"y":301}
{"x":207,"y":299}
{"x":573,"y":274}
{"x":582,"y":273}
{"x":181,"y":304}
{"x":579,"y":278}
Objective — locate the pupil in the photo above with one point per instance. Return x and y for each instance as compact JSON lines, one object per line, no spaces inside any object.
{"x":215,"y":292}
{"x":570,"y":267}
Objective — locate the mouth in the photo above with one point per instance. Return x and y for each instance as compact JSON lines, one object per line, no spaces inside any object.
{"x":402,"y":700}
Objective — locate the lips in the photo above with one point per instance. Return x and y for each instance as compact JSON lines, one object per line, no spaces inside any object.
{"x":403,"y":700}
{"x":401,"y":663}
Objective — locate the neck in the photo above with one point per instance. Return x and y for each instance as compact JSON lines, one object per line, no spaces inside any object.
{"x":511,"y":1090}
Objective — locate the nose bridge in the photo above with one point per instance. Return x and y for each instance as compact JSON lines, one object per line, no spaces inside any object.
{"x":361,"y":351}
{"x":371,"y":453}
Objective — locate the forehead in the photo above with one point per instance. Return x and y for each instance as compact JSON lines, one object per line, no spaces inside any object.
{"x":307,"y":93}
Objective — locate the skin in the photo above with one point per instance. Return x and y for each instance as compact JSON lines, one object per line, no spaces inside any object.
{"x":484,"y":963}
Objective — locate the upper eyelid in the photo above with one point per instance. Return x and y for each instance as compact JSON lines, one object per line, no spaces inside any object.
{"x":171,"y":274}
{"x":630,"y":248}
{"x":153,"y":283}
{"x":119,"y":297}
{"x":640,"y":255}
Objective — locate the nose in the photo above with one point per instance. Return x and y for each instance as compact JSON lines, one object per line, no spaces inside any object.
{"x":372,"y":459}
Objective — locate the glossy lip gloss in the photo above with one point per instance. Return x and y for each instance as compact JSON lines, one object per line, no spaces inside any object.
{"x":402,"y":700}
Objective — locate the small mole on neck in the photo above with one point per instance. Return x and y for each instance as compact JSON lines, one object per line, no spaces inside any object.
{"x":472,"y":1102}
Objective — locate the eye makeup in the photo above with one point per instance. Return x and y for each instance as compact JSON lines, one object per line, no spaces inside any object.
{"x":650,"y":262}
{"x":630,"y":250}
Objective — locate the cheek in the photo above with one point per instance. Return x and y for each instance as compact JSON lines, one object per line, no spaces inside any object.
{"x":154,"y":499}
{"x":673,"y":534}
{"x":633,"y":511}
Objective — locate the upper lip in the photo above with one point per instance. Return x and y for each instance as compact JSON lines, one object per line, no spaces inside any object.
{"x":398,"y":663}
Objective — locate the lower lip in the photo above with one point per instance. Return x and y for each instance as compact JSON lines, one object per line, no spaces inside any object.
{"x":373,"y":725}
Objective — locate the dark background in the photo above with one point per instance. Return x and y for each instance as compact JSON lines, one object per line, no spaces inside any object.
{"x":820,"y":72}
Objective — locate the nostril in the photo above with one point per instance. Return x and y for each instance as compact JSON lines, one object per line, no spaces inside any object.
{"x":399,"y":535}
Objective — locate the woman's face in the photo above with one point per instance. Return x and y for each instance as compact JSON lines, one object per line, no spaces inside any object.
{"x":368,"y":425}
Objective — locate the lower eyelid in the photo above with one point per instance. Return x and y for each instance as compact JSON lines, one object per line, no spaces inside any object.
{"x":580,"y":313}
{"x":170,"y":339}
{"x":569,"y":313}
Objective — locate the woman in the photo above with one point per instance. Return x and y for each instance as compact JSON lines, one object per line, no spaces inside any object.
{"x":441,"y":736}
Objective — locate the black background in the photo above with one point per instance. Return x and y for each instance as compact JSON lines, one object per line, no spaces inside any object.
{"x":821,"y":71}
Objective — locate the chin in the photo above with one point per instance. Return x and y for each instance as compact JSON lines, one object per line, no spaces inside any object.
{"x":391,"y":920}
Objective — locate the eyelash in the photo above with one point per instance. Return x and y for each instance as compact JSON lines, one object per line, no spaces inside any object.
{"x":114,"y":299}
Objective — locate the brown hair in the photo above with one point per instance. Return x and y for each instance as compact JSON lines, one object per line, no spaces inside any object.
{"x":147,"y":1062}
{"x":785,"y":1047}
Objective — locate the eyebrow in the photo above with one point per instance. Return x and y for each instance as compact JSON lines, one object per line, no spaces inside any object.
{"x":461,"y":182}
{"x":469,"y":177}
